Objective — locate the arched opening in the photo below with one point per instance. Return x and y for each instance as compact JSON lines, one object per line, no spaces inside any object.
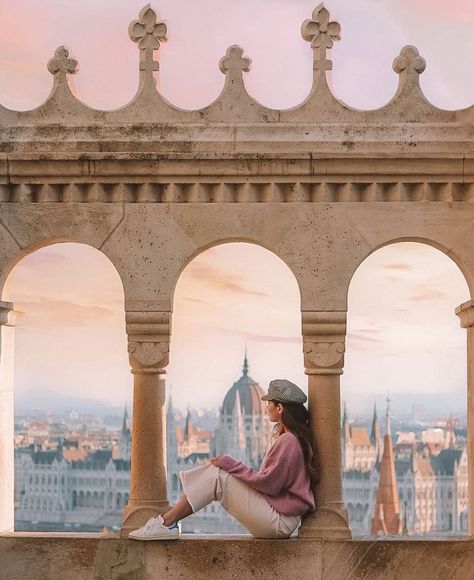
{"x":71,"y":370}
{"x":236,"y":326}
{"x":405,"y":373}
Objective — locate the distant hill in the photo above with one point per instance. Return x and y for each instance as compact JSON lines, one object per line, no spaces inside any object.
{"x":410,"y":405}
{"x":43,"y":400}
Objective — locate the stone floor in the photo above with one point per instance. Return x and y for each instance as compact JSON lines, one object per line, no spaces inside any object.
{"x":106,"y":557}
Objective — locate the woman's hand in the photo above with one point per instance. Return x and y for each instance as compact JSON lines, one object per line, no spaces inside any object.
{"x":214,"y":460}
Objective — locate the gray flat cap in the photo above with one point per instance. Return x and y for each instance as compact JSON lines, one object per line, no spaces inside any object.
{"x":284,"y":391}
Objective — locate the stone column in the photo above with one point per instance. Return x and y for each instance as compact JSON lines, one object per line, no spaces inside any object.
{"x":148,"y":346}
{"x":466,"y":316}
{"x":7,"y":467}
{"x":323,"y":345}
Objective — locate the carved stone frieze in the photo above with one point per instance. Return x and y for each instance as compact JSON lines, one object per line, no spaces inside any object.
{"x":324,"y":342}
{"x":238,"y":192}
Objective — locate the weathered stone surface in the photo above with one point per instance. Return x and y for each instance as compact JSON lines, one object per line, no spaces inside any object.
{"x":83,"y":557}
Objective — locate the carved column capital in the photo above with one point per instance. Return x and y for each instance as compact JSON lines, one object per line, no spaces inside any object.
{"x":324,"y":334}
{"x":8,"y":316}
{"x":148,"y":341}
{"x":466,"y":314}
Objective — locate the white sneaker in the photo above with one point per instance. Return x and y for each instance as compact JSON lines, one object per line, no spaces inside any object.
{"x":155,"y":529}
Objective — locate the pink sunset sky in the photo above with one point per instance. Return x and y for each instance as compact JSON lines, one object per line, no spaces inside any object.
{"x":403,"y":335}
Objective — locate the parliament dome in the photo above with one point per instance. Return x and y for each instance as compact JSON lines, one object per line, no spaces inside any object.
{"x":249,"y":394}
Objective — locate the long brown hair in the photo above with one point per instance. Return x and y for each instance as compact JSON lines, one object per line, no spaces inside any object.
{"x":295,"y":418}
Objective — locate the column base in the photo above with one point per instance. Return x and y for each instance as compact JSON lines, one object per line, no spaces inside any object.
{"x":137,"y":513}
{"x":328,"y":522}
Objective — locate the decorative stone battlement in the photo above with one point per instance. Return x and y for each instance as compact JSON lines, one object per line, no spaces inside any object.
{"x":315,"y":125}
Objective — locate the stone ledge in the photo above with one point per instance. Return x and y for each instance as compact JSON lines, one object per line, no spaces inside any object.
{"x":62,"y":556}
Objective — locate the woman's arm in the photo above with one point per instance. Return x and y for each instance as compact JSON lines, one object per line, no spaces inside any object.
{"x":271,"y":480}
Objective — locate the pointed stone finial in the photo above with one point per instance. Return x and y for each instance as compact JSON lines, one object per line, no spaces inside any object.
{"x":321,"y":33}
{"x":409,"y":65}
{"x":233,"y":64}
{"x":62,"y":64}
{"x":147,"y":33}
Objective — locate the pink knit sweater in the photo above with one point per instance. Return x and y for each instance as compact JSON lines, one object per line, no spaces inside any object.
{"x":282,"y":478}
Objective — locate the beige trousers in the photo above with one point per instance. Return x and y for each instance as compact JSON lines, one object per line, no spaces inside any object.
{"x":208,"y":483}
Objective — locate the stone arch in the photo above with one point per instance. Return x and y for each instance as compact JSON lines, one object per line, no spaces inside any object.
{"x":7,"y":266}
{"x":458,"y":261}
{"x":454,"y":253}
{"x":14,"y":259}
{"x":290,"y":279}
{"x":188,"y":259}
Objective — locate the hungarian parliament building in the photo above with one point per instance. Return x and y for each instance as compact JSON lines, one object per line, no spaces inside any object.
{"x":64,"y":486}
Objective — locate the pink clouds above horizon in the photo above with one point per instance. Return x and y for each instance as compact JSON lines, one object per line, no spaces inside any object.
{"x":401,"y":324}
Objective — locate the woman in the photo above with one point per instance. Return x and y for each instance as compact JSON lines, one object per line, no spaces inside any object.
{"x":268,"y":502}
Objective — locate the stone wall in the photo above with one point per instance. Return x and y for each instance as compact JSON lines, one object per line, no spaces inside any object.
{"x":87,"y":557}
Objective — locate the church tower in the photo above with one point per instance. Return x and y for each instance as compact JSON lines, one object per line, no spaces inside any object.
{"x":387,"y":520}
{"x":125,"y":441}
{"x":345,"y":438}
{"x":376,"y":434}
{"x":243,"y":428}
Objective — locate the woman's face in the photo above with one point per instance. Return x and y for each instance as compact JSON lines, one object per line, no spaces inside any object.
{"x":274,"y":411}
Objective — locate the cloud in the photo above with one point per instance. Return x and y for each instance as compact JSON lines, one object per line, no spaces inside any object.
{"x":221,"y":281}
{"x":195,"y":300}
{"x":455,"y":11}
{"x":254,"y":337}
{"x":365,"y":335}
{"x":429,"y":294}
{"x":60,"y":313}
{"x":398,"y":266}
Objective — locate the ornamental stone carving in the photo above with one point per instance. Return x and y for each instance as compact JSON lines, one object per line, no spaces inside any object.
{"x":148,"y":357}
{"x":319,"y":31}
{"x":233,"y":63}
{"x":324,"y":355}
{"x":147,"y":33}
{"x":409,"y":59}
{"x":466,"y":314}
{"x":62,"y":63}
{"x":148,"y":341}
{"x":324,"y":342}
{"x":8,"y":316}
{"x":322,"y":34}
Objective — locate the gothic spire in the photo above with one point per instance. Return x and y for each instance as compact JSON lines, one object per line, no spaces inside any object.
{"x":188,"y":426}
{"x":387,"y":520}
{"x":375,"y":431}
{"x":388,"y":430}
{"x":125,"y":420}
{"x":245,"y":368}
{"x":346,"y":429}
